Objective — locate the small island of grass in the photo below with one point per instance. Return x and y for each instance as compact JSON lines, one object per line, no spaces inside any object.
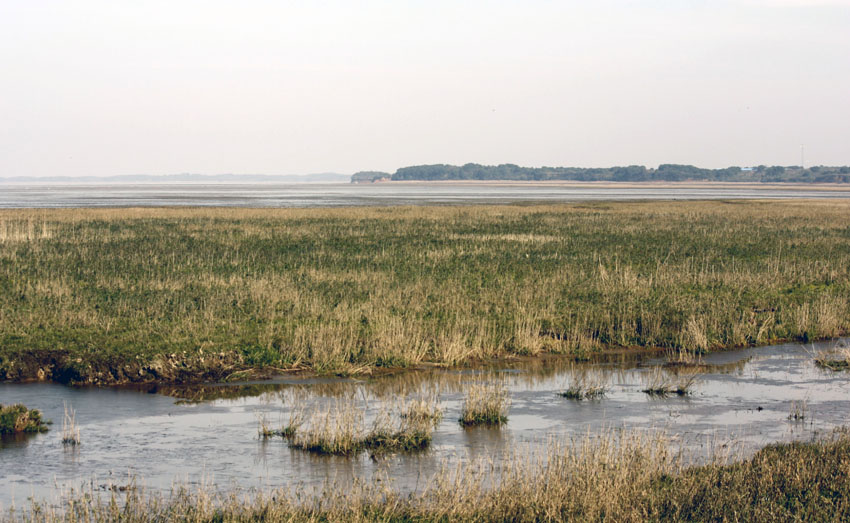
{"x":15,"y":419}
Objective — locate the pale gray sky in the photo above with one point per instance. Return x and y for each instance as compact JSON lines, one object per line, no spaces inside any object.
{"x":105,"y":87}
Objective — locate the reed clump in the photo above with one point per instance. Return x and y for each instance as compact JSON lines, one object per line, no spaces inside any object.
{"x":109,"y":296}
{"x":659,"y":383}
{"x":585,"y":388}
{"x":423,"y":410}
{"x":338,"y":430}
{"x":485,"y":404}
{"x":836,"y":359}
{"x":70,"y":431}
{"x":16,"y":419}
{"x":629,"y":477}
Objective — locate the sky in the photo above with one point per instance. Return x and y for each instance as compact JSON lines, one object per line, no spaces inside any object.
{"x":112,"y":87}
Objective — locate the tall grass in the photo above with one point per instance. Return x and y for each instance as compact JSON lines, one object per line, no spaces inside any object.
{"x":485,"y":404}
{"x":170,"y":295}
{"x":659,"y":382}
{"x":838,"y":358}
{"x":629,"y":477}
{"x":70,"y":431}
{"x":338,"y":430}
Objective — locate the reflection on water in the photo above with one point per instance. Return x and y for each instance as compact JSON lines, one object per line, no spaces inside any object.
{"x":324,"y":195}
{"x":210,"y":433}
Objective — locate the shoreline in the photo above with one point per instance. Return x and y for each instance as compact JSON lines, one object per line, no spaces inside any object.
{"x":232,"y":376}
{"x":623,"y":185}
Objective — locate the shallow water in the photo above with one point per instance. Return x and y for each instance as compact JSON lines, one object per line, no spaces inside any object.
{"x":743,"y":397}
{"x":336,"y":194}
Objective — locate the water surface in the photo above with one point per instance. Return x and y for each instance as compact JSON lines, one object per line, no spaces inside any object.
{"x":336,"y":194}
{"x":165,"y":435}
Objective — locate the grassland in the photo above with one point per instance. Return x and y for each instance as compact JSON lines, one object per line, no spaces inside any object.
{"x":621,"y":477}
{"x":175,"y":295}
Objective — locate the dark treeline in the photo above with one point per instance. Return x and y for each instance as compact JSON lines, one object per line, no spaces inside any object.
{"x":631,"y":173}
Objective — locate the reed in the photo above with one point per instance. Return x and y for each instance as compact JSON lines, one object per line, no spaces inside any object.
{"x":338,"y":429}
{"x":175,"y":295}
{"x":836,"y":359}
{"x":424,"y":410}
{"x":485,"y":404}
{"x":660,"y":383}
{"x":585,"y":388}
{"x":70,"y":431}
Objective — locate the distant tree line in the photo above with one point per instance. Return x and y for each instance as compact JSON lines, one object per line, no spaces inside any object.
{"x":631,"y":173}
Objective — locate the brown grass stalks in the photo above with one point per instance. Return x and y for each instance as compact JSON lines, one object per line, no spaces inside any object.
{"x":70,"y":431}
{"x":660,"y":383}
{"x":485,"y":404}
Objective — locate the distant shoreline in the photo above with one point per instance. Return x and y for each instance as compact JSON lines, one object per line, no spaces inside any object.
{"x":624,"y":185}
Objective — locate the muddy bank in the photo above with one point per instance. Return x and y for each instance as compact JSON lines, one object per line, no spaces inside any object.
{"x":61,"y":367}
{"x":182,"y":369}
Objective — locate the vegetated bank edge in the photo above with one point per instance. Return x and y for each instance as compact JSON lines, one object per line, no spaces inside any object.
{"x":94,"y":296}
{"x":617,"y":476}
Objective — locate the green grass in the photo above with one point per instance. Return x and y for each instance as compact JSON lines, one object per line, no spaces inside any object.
{"x":15,"y":419}
{"x":175,"y":295}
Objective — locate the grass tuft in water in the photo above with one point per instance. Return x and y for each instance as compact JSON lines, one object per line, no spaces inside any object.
{"x":70,"y":431}
{"x":15,"y":419}
{"x":584,"y":388}
{"x":338,"y":430}
{"x":658,"y":383}
{"x":423,"y":410}
{"x":485,"y":404}
{"x":836,"y":359}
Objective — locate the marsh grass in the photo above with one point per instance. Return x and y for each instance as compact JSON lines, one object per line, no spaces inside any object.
{"x":406,"y":434}
{"x":617,"y":476}
{"x":16,"y":419}
{"x":70,"y":431}
{"x":659,"y":383}
{"x":425,"y":410}
{"x":173,"y":295}
{"x":485,"y":404}
{"x":585,"y":388}
{"x":836,"y":359}
{"x":338,"y":430}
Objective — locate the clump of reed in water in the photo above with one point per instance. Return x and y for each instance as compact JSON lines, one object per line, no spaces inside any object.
{"x":70,"y":431}
{"x":485,"y":404}
{"x":659,"y":383}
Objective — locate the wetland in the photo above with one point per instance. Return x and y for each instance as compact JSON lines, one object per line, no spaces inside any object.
{"x":462,"y":362}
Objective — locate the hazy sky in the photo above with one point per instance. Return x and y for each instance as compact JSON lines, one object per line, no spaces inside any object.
{"x":120,"y":87}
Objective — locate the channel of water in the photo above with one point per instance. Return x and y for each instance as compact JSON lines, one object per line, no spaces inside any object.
{"x":203,"y":435}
